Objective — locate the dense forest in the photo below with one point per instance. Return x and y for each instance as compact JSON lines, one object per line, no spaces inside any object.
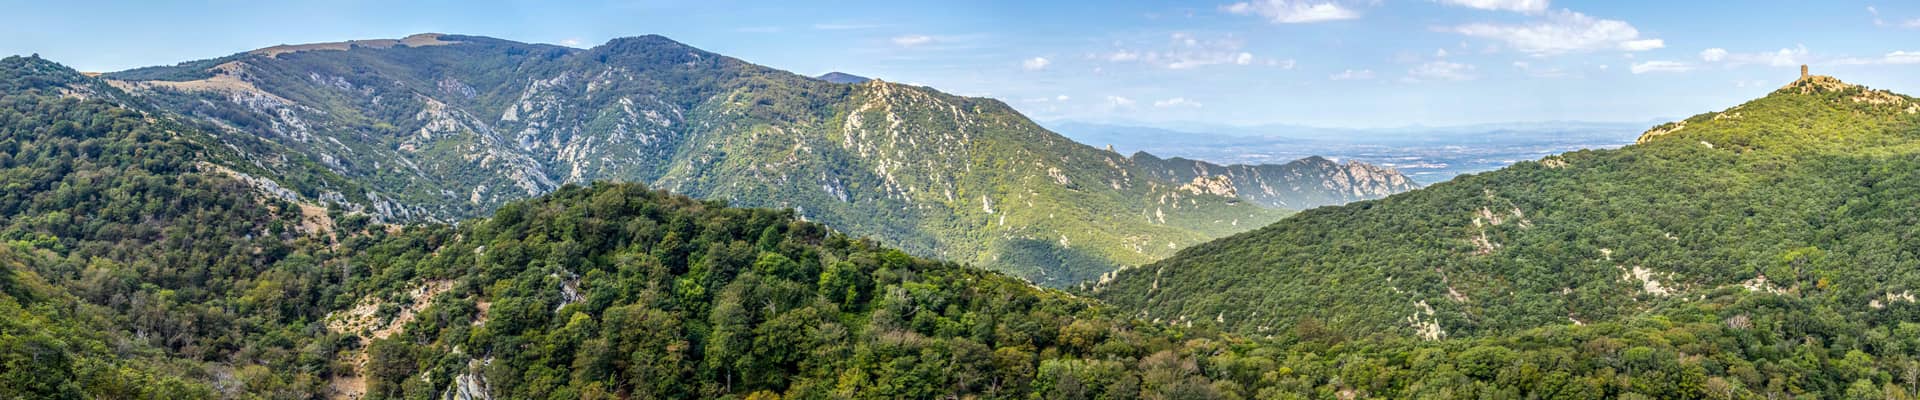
{"x":145,"y":259}
{"x":130,"y":262}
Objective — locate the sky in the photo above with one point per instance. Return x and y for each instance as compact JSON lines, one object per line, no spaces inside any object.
{"x":1328,"y":63}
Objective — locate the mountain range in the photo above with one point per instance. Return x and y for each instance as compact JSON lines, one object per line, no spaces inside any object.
{"x":158,"y":249}
{"x":1425,"y":154}
{"x":445,"y":127}
{"x":1790,"y":195}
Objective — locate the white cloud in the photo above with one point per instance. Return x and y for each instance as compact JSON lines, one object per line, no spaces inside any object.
{"x":1785,"y":57}
{"x":1913,"y":23}
{"x":1194,"y":60}
{"x":1902,"y":57}
{"x":1035,"y":64}
{"x":570,"y":42}
{"x":1353,"y":75}
{"x":1642,"y":45}
{"x":1293,"y":11}
{"x":911,"y":40}
{"x":1713,"y":55}
{"x":1176,"y":102}
{"x":1441,"y":71}
{"x":1119,"y":102}
{"x":1523,"y":6}
{"x":1894,"y":58}
{"x":1563,"y":32}
{"x":1062,"y":98}
{"x":1546,"y":72}
{"x":1186,"y":51}
{"x":1661,"y":66}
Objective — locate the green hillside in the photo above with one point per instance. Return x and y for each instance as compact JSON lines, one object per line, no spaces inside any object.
{"x":141,"y":261}
{"x":135,"y":267}
{"x":1801,"y":195}
{"x":445,"y":127}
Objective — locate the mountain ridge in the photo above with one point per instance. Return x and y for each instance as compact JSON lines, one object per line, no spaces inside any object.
{"x":1783,"y":195}
{"x":134,"y":266}
{"x":463,"y":126}
{"x":842,"y":77}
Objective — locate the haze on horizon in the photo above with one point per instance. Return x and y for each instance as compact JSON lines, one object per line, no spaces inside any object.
{"x":1324,"y":63}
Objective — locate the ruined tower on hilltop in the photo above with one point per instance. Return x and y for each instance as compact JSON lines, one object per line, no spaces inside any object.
{"x":1803,"y":71}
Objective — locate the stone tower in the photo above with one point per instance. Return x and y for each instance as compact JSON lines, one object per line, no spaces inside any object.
{"x":1803,"y":71}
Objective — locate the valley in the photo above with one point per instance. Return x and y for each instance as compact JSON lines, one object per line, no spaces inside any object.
{"x":445,"y":127}
{"x":463,"y":217}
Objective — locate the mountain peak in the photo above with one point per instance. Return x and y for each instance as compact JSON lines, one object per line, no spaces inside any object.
{"x":842,"y":77}
{"x":1315,"y":159}
{"x":1810,"y":94}
{"x":648,"y":40}
{"x":19,"y":74}
{"x":1809,"y":83}
{"x":414,"y":40}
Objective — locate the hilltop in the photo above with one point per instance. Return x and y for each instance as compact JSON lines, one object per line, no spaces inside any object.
{"x":1793,"y":197}
{"x":842,"y":77}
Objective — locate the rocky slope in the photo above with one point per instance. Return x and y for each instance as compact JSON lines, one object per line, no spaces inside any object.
{"x":1301,"y":184}
{"x":441,"y":127}
{"x":1803,"y":193}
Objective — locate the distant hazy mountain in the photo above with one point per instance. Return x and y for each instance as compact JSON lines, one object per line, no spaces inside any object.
{"x":1301,"y":184}
{"x":842,"y":77}
{"x":1428,"y":155}
{"x":443,"y":127}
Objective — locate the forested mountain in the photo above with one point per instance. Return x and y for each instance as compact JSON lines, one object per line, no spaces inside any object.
{"x":1800,"y":197}
{"x":142,"y":260}
{"x":842,"y":77}
{"x":132,"y":256}
{"x":443,"y":127}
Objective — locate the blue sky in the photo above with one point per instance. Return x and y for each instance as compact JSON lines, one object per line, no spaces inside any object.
{"x":1360,"y":63}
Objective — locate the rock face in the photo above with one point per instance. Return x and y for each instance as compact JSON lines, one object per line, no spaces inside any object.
{"x":1301,"y":184}
{"x":443,"y":127}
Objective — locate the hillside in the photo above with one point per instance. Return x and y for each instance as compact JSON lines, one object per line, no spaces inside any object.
{"x":1799,"y":195}
{"x":444,"y":127}
{"x":135,"y":265}
{"x":140,"y":262}
{"x":1301,"y":184}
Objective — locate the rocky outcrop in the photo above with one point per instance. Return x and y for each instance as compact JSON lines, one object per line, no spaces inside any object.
{"x":1301,"y":184}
